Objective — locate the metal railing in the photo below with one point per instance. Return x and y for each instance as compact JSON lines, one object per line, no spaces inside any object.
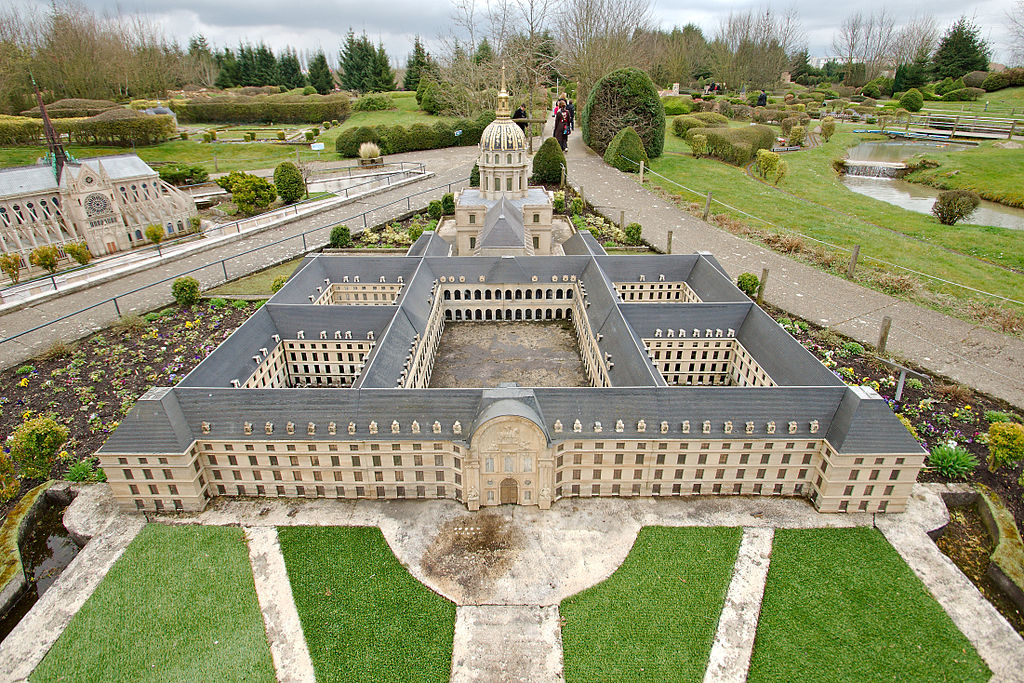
{"x":309,"y":243}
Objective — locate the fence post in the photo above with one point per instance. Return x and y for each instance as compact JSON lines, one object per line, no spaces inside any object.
{"x":561,"y":182}
{"x":216,"y":168}
{"x":761,"y":286}
{"x":853,"y":261}
{"x":1013,"y":124}
{"x":622,"y":223}
{"x":304,"y":247}
{"x":641,"y":171}
{"x":224,"y":267}
{"x":669,"y":251}
{"x":707,"y":205}
{"x":883,"y":334}
{"x":116,"y":307}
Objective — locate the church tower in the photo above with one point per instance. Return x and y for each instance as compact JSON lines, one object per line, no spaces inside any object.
{"x":503,"y":160}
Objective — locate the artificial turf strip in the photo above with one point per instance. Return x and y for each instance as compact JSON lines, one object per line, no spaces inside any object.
{"x":364,"y":616}
{"x":842,"y":605}
{"x":655,"y":618}
{"x":178,"y":605}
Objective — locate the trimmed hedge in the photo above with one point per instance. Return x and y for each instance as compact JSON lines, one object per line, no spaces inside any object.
{"x":735,"y":145}
{"x":912,"y":100}
{"x":963,"y":95}
{"x":262,"y":109}
{"x":626,"y":151}
{"x":374,"y":102}
{"x":1004,"y":79}
{"x":122,"y":128}
{"x":72,"y":108}
{"x":397,"y":139}
{"x":624,"y":98}
{"x":677,"y":104}
{"x":548,"y":162}
{"x":681,"y":124}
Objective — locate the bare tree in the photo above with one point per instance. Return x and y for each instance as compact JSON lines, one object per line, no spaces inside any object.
{"x":753,"y":48}
{"x":880,"y":36}
{"x":916,"y":40}
{"x":848,"y":43}
{"x":1016,"y":24}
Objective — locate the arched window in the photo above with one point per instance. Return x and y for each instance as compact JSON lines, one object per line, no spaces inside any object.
{"x":509,"y":159}
{"x":138,"y":234}
{"x":4,"y":216}
{"x":508,"y":184}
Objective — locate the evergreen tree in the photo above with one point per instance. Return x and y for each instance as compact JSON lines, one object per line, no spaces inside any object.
{"x":351,"y":70}
{"x":227,"y":77}
{"x":415,"y":65}
{"x":960,"y":51}
{"x":246,"y":65}
{"x":484,"y":54}
{"x":320,"y":76}
{"x":266,"y":66}
{"x":384,"y":76}
{"x":290,"y":71}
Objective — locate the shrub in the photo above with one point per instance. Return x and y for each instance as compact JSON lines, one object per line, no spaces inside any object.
{"x":326,"y":125}
{"x":577,"y":206}
{"x":748,"y":284}
{"x":309,"y":136}
{"x":251,"y":193}
{"x":548,"y":162}
{"x":735,"y":145}
{"x":796,"y":136}
{"x":393,"y":139}
{"x":998,"y":416}
{"x":443,"y":136}
{"x":767,"y":163}
{"x":369,"y":150}
{"x":558,"y":202}
{"x":626,"y":98}
{"x":185,"y":291}
{"x":34,"y":445}
{"x":9,"y":485}
{"x":280,"y":135}
{"x":781,"y":172}
{"x":955,"y":205}
{"x":915,"y":383}
{"x":207,"y":137}
{"x":682,"y":124}
{"x":952,"y":460}
{"x":448,"y":204}
{"x":963,"y":95}
{"x":154,"y":233}
{"x":1005,"y":444}
{"x":45,"y":257}
{"x":828,"y":128}
{"x":912,"y":100}
{"x":341,"y":237}
{"x":183,"y":174}
{"x":84,"y":470}
{"x":626,"y":151}
{"x":288,"y":181}
{"x":634,"y":233}
{"x":279,"y":282}
{"x":261,"y":108}
{"x":194,"y":224}
{"x":421,"y":136}
{"x":78,"y":251}
{"x":10,"y":265}
{"x":699,"y":145}
{"x":434,"y":209}
{"x":788,"y":123}
{"x":474,"y":175}
{"x":309,"y":90}
{"x":677,"y":104}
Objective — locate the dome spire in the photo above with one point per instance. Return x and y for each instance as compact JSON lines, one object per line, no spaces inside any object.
{"x":503,"y":111}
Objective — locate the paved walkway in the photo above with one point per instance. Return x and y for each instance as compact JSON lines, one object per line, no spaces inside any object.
{"x":449,"y":166}
{"x":969,"y":354}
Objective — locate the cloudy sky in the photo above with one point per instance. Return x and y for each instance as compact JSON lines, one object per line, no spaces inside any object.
{"x":323,"y":23}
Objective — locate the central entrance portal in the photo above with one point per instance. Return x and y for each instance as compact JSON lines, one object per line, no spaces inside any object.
{"x":509,"y":491}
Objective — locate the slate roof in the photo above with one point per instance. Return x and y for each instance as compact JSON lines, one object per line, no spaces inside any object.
{"x":503,"y":227}
{"x":26,"y":180}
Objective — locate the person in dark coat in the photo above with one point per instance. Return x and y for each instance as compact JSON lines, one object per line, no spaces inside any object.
{"x":762,"y":99}
{"x":572,"y":115}
{"x":562,"y":124}
{"x":520,"y":114}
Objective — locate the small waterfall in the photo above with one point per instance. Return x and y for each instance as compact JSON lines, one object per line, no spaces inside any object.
{"x":874,"y":169}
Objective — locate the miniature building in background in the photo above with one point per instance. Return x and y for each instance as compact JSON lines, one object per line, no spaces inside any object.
{"x":504,"y":216}
{"x":691,"y":389}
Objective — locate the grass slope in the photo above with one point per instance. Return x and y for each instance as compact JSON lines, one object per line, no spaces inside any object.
{"x":994,"y":173}
{"x":841,"y":605}
{"x":364,"y":616}
{"x":655,"y":618}
{"x":179,"y":605}
{"x":812,"y":187}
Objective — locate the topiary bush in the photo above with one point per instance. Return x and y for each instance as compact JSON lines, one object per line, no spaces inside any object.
{"x":634,"y":233}
{"x":548,"y":163}
{"x":626,"y":98}
{"x":735,"y":145}
{"x":699,"y":145}
{"x":434,"y":209}
{"x":955,"y":205}
{"x":577,"y":206}
{"x":185,"y":291}
{"x":912,"y":100}
{"x":279,"y":282}
{"x":626,"y":151}
{"x":288,"y":181}
{"x":828,"y":128}
{"x":748,"y":283}
{"x":767,"y":163}
{"x":1005,"y":444}
{"x":952,"y":460}
{"x":347,"y":143}
{"x":796,"y":136}
{"x":682,"y":124}
{"x":448,"y":204}
{"x":34,"y":445}
{"x":341,"y":237}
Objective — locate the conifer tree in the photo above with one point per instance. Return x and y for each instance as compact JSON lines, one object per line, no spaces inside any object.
{"x":384,"y":76}
{"x":290,"y":71}
{"x":320,"y":76}
{"x":961,"y":50}
{"x":414,"y":67}
{"x":266,"y":66}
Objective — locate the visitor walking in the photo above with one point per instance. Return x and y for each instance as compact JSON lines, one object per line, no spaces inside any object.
{"x":572,"y":115}
{"x":562,"y":124}
{"x":520,"y":114}
{"x":762,"y":99}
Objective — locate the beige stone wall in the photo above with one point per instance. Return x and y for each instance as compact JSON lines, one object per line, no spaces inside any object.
{"x":312,"y":363}
{"x":656,"y":292}
{"x":706,"y":362}
{"x":360,"y":294}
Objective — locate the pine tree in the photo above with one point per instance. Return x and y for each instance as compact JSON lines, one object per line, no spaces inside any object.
{"x":246,"y":65}
{"x":228,"y":75}
{"x":415,"y":65}
{"x":320,"y":76}
{"x":484,"y":54}
{"x":960,"y":51}
{"x":266,"y":66}
{"x":290,"y":71}
{"x":351,"y":73}
{"x":384,"y":77}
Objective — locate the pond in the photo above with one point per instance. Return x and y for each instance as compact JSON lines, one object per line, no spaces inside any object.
{"x":914,"y":197}
{"x":46,"y":551}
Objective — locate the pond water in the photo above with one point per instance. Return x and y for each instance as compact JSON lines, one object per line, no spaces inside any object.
{"x":45,"y":553}
{"x":912,"y":196}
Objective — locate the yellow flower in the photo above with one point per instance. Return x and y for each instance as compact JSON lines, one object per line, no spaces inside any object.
{"x":26,"y":415}
{"x":188,"y":324}
{"x":967,"y":407}
{"x":24,"y":382}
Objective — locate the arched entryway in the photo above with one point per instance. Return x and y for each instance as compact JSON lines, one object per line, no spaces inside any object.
{"x":509,"y":491}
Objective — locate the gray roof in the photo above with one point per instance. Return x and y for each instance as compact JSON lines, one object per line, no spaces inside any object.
{"x":27,"y":180}
{"x":503,"y":227}
{"x":430,"y":244}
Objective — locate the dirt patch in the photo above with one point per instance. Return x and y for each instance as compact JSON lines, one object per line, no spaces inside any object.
{"x":472,"y":551}
{"x":966,"y":541}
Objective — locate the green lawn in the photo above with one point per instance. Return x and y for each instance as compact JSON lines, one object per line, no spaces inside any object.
{"x":364,"y":616}
{"x":994,"y":173}
{"x":179,"y":605}
{"x":811,"y":200}
{"x":841,"y":605}
{"x":257,"y":283}
{"x":655,"y":618}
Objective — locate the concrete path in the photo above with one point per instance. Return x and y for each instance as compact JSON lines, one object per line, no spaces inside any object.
{"x":734,"y":640}
{"x":274,"y":591}
{"x":969,"y":354}
{"x":449,"y":165}
{"x":507,"y":644}
{"x":24,"y":648}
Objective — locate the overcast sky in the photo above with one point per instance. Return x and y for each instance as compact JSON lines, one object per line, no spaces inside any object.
{"x":323,"y":23}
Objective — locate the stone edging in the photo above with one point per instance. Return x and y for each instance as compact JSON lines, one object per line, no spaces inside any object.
{"x":1007,"y":561}
{"x":19,"y":519}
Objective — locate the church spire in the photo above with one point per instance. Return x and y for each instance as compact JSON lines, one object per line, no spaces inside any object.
{"x":504,"y":110}
{"x":57,"y":155}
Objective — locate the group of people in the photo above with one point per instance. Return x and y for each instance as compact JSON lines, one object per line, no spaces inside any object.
{"x":564,"y":115}
{"x":714,"y":88}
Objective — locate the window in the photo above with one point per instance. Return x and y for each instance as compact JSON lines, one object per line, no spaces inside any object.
{"x":489,"y":465}
{"x":472,"y":220}
{"x":536,"y":218}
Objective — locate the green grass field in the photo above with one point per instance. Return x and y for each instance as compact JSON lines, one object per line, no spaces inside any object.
{"x":655,"y":618}
{"x":994,"y":173}
{"x":179,"y":605}
{"x":841,"y":605}
{"x":256,"y":284}
{"x":813,"y":201}
{"x":364,"y":616}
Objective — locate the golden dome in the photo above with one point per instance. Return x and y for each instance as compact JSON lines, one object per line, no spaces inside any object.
{"x":502,"y":135}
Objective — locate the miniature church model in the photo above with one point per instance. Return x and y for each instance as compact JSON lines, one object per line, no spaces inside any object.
{"x":504,"y":216}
